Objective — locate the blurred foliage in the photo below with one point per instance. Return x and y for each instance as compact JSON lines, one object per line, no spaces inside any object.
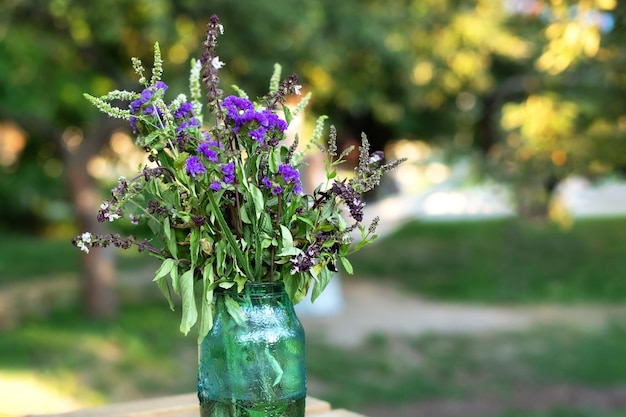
{"x":137,"y":357}
{"x":503,"y":260}
{"x":535,"y":85}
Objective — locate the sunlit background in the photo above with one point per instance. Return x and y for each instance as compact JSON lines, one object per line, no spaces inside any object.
{"x":506,"y":110}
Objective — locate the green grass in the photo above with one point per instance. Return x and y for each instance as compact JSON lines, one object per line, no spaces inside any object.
{"x":142,"y":354}
{"x":25,"y":257}
{"x":399,"y":371}
{"x":503,"y":260}
{"x":561,"y":412}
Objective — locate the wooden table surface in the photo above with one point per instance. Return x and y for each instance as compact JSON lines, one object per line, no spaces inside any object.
{"x":185,"y":405}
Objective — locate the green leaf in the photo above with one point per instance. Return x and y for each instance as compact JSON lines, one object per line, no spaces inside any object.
{"x":165,"y":268}
{"x":306,"y":220}
{"x":170,"y":238}
{"x":175,"y":281}
{"x":287,"y":113}
{"x":226,"y":284}
{"x":257,"y":198}
{"x":286,"y":236}
{"x":243,"y":213}
{"x":194,"y":246}
{"x":206,"y":312}
{"x":323,"y":278}
{"x":235,"y":311}
{"x":160,"y":278}
{"x":346,"y":265}
{"x":190,"y":312}
{"x":297,"y":286}
{"x":274,"y":160}
{"x":275,"y":366}
{"x":290,"y":251}
{"x":241,"y":281}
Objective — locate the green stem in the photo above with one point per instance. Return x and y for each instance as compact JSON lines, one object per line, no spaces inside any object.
{"x":245,"y":263}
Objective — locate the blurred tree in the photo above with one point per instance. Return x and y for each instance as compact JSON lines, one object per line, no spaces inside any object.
{"x":561,"y":111}
{"x":535,"y":85}
{"x":51,"y":52}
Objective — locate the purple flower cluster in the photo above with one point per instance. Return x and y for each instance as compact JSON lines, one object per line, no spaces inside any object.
{"x":194,"y":166}
{"x":229,"y":172}
{"x":144,"y":105}
{"x":352,"y":199}
{"x":291,"y":176}
{"x":186,"y":124}
{"x":304,"y":261}
{"x":286,"y":175}
{"x":209,"y":150}
{"x":184,"y":111}
{"x":263,"y":126}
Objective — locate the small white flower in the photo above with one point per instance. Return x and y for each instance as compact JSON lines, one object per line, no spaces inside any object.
{"x":297,"y":89}
{"x":104,"y":205}
{"x":221,"y":29}
{"x":113,"y":216}
{"x":217,"y":64}
{"x":86,"y":237}
{"x":81,"y":245}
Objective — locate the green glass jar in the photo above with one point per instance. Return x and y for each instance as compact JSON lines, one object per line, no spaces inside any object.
{"x":252,"y":363}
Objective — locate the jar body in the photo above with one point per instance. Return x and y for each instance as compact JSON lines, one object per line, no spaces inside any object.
{"x":252,"y":362}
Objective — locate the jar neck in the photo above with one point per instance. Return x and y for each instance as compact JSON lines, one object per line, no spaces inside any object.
{"x":257,"y":290}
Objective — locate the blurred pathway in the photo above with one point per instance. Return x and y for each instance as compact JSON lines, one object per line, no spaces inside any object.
{"x":369,"y":308}
{"x":22,"y":394}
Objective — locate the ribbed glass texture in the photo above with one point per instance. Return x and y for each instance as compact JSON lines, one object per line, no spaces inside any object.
{"x":252,"y":362}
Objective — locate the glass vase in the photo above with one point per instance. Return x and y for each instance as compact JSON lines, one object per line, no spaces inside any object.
{"x":251,"y":363}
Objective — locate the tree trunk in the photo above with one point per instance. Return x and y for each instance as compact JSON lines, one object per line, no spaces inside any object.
{"x":533,"y":197}
{"x":98,"y":295}
{"x":99,"y":298}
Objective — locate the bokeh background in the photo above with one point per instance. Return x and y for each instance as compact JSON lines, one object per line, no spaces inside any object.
{"x":512,"y":114}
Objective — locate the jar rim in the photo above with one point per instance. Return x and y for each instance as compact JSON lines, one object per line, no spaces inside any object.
{"x":256,"y":289}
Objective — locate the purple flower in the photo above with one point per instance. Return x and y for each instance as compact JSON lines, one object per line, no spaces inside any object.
{"x":146,"y":96}
{"x":236,"y":106}
{"x":187,"y":124}
{"x":258,"y":134}
{"x":215,"y":186}
{"x":145,"y":102}
{"x":206,"y":149}
{"x":289,"y":173}
{"x":291,"y":176}
{"x":266,"y":182}
{"x":352,"y":199}
{"x":277,"y":189}
{"x":272,"y":121}
{"x":160,"y":85}
{"x":303,"y":262}
{"x":194,"y":166}
{"x":229,"y":172}
{"x":185,"y":110}
{"x":133,"y":123}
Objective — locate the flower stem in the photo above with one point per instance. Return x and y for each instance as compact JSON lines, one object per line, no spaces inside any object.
{"x":241,"y":259}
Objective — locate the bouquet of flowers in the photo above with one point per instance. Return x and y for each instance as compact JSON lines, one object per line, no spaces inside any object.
{"x":223,"y":194}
